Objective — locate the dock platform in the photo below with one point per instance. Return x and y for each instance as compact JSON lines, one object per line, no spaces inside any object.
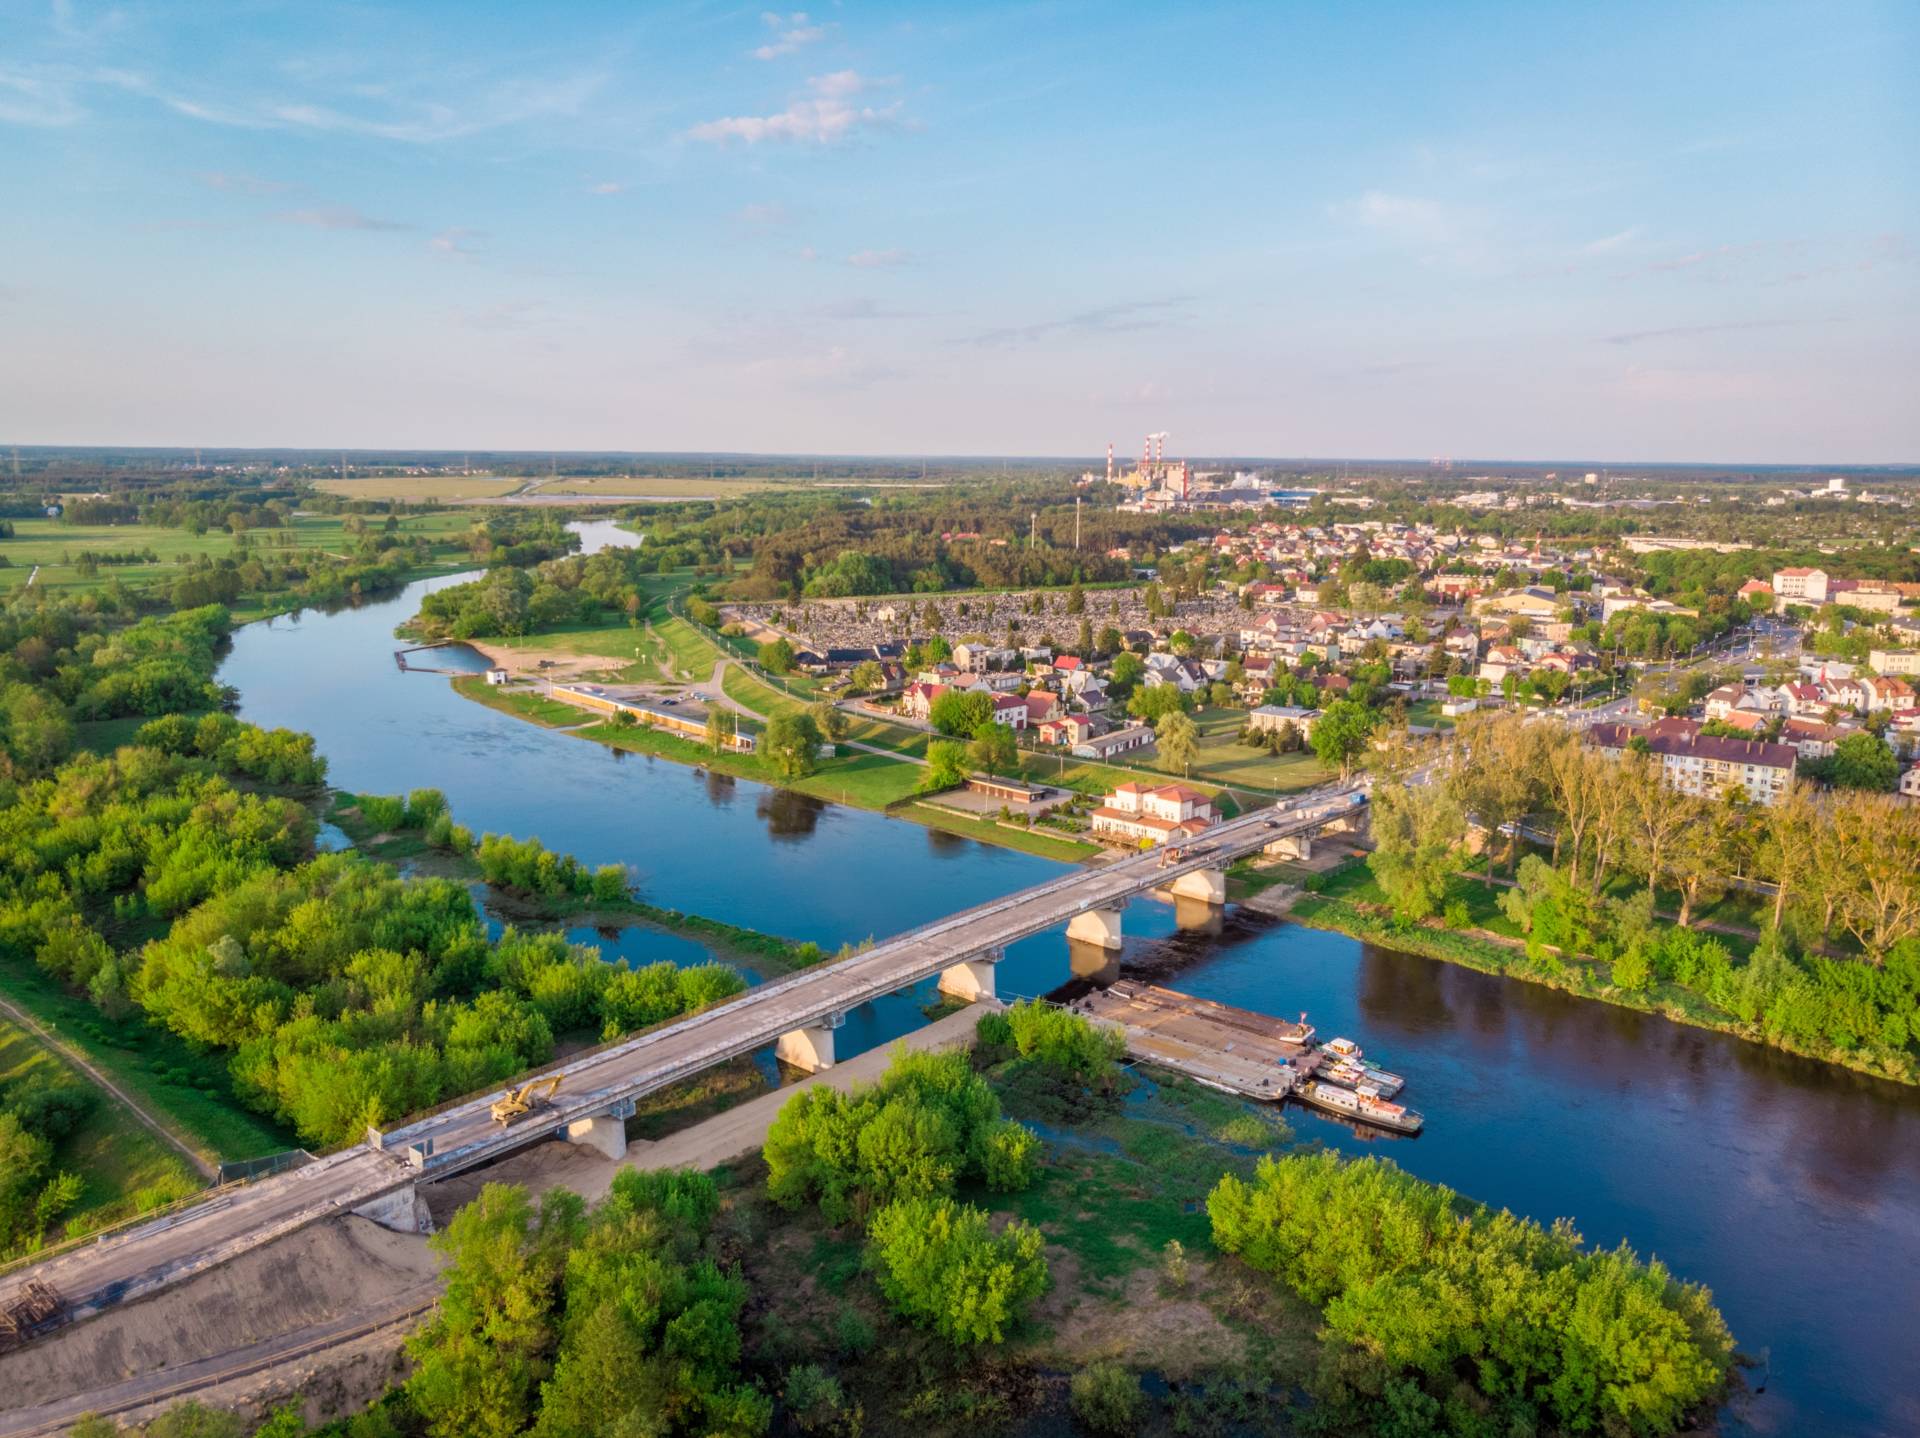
{"x":1238,"y":1050}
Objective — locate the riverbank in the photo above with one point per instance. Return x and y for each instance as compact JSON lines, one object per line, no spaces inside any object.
{"x":1581,"y":975}
{"x":861,"y":779}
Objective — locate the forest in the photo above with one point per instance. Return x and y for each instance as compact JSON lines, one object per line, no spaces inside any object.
{"x":1837,"y":964}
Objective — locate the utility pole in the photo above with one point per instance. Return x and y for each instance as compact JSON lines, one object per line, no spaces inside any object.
{"x":1033,"y":531}
{"x":1076,"y":523}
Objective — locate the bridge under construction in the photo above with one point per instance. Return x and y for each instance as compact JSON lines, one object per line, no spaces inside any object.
{"x":588,"y":1099}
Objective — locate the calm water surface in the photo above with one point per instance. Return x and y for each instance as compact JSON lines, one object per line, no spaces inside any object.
{"x":1790,"y":1188}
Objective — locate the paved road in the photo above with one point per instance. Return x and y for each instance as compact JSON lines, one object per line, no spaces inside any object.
{"x":140,"y":1260}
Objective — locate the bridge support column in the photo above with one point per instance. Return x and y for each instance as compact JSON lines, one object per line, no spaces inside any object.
{"x":606,"y":1132}
{"x":403,"y":1211}
{"x":1207,"y":885}
{"x":809,"y":1049}
{"x":1097,"y":926}
{"x":971,"y":979}
{"x":1298,"y":847}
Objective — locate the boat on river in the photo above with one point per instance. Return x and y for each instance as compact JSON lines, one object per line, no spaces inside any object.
{"x":1362,"y":1103}
{"x":1351,"y":1074}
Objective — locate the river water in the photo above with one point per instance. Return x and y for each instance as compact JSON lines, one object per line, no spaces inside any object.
{"x":1789,"y":1187}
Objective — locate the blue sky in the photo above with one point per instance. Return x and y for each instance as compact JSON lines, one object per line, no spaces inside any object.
{"x":1671,"y":231}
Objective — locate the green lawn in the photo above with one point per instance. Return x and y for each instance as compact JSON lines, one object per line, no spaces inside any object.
{"x":1224,"y":760}
{"x":640,"y":654}
{"x":523,"y":704}
{"x":125,"y":1168}
{"x":103,"y":736}
{"x":189,"y":1092}
{"x":694,"y":655}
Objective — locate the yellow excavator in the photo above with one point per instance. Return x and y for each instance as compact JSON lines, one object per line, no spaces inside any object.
{"x":525,"y":1099}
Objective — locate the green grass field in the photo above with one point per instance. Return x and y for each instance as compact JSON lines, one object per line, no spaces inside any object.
{"x":54,"y":547}
{"x":1224,"y":760}
{"x":191,"y":1093}
{"x":122,"y":1164}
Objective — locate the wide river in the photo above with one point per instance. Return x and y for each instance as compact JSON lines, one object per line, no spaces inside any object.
{"x":1791,"y":1188}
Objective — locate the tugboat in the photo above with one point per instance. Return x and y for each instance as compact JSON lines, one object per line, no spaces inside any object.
{"x":1350,"y":1074}
{"x":1363,"y":1103}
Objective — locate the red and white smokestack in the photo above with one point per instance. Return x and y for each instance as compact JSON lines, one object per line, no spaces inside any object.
{"x":1146,"y":452}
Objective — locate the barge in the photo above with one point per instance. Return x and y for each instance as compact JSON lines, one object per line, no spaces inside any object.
{"x":1364,"y":1104}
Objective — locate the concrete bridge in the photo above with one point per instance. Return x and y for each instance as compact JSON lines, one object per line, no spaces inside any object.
{"x":797,"y":1015}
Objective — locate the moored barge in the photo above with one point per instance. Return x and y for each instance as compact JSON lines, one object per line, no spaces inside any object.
{"x":1361,"y":1103}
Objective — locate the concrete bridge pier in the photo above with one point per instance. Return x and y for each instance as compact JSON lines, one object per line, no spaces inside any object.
{"x":1209,"y":886}
{"x":402,"y":1210}
{"x":1298,"y":847}
{"x":809,"y":1049}
{"x":971,"y":979}
{"x":606,"y":1132}
{"x":1098,"y":926}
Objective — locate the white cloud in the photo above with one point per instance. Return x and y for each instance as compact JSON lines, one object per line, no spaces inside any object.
{"x":762,"y":216}
{"x":607,"y":187}
{"x":791,"y":32}
{"x":878,"y":259}
{"x":823,"y":116}
{"x":336,"y":217}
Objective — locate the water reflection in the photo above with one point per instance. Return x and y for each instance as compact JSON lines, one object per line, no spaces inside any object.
{"x":788,"y":815}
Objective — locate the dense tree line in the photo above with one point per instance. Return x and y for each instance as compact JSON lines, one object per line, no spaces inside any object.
{"x":1444,"y":1317}
{"x":1844,"y":866}
{"x":772,"y":546}
{"x":562,"y":593}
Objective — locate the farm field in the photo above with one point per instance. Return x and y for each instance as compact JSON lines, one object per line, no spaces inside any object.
{"x":55,"y":547}
{"x":421,"y":488}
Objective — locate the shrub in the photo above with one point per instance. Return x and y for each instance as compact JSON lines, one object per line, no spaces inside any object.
{"x":1107,"y":1398}
{"x":382,"y":812}
{"x":939,"y":1264}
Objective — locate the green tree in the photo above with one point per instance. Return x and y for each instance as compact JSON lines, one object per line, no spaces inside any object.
{"x":776,"y":656}
{"x":946,"y":766}
{"x":1341,"y":733}
{"x":961,"y":712}
{"x":791,"y":744}
{"x":1417,"y":829}
{"x":479,"y":1363}
{"x":993,"y":748}
{"x":1154,"y":702}
{"x":1861,"y":761}
{"x":939,"y":1263}
{"x":830,"y":719}
{"x":716,"y":735}
{"x":1178,"y":738}
{"x":867,"y":676}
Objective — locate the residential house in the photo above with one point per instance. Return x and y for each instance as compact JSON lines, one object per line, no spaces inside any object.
{"x":1706,"y":766}
{"x":1139,"y":814}
{"x":1010,"y":710}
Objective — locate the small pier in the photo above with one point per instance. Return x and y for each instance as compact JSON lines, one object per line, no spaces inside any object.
{"x":1237,"y":1050}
